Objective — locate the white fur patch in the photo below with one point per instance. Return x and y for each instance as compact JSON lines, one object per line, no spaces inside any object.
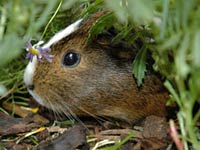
{"x":31,"y":67}
{"x":29,"y":72}
{"x":63,"y":33}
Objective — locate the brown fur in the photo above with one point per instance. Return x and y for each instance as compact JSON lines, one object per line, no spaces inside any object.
{"x":102,"y":84}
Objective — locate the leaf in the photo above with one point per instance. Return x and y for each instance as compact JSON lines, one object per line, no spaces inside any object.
{"x":174,"y":95}
{"x":53,"y":16}
{"x":3,"y":90}
{"x":10,"y":51}
{"x":195,"y":49}
{"x":181,"y":63}
{"x":46,"y":12}
{"x":119,"y":9}
{"x":139,"y":65}
{"x":118,"y":145}
{"x":141,"y":11}
{"x":124,"y":33}
{"x":92,"y":8}
{"x":101,"y":24}
{"x":164,"y":18}
{"x":171,"y":42}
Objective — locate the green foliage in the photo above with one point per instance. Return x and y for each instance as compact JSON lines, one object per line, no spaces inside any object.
{"x":118,"y":145}
{"x":179,"y":37}
{"x":139,"y":65}
{"x":65,"y":122}
{"x":124,"y":33}
{"x":20,"y":22}
{"x":175,"y":26}
{"x":141,"y":11}
{"x":12,"y":83}
{"x":103,"y":23}
{"x":91,"y":7}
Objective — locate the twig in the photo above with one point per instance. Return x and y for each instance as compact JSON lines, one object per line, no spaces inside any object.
{"x":174,"y":135}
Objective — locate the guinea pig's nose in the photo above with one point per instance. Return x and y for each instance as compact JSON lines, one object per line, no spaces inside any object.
{"x":31,"y":87}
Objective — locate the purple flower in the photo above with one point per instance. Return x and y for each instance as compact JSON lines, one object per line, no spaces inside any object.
{"x":35,"y":50}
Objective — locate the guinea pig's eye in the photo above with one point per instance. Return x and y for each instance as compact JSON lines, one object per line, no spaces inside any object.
{"x":71,"y":59}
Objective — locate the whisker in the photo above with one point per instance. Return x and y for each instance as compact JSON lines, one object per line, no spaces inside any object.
{"x":97,"y":118}
{"x":66,"y":109}
{"x":52,"y":107}
{"x":63,"y":107}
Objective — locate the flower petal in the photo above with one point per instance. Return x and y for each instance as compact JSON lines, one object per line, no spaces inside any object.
{"x":28,"y":44}
{"x":41,"y":52}
{"x":28,"y":55}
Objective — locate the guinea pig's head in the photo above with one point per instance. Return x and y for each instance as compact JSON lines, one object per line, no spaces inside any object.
{"x":85,"y":78}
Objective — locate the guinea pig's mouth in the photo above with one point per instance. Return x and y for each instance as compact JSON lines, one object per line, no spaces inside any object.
{"x":28,"y":79}
{"x":36,"y":97}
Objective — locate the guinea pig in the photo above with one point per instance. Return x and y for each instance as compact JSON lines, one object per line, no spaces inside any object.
{"x":93,"y":79}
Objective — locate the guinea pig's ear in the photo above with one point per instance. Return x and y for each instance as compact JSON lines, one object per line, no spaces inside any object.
{"x":121,"y":50}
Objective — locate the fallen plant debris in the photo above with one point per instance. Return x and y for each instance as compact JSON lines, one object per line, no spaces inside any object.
{"x":25,"y":111}
{"x":155,"y":127}
{"x":153,"y":135}
{"x":73,"y":138}
{"x":174,"y":135}
{"x":11,"y":126}
{"x":27,"y":132}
